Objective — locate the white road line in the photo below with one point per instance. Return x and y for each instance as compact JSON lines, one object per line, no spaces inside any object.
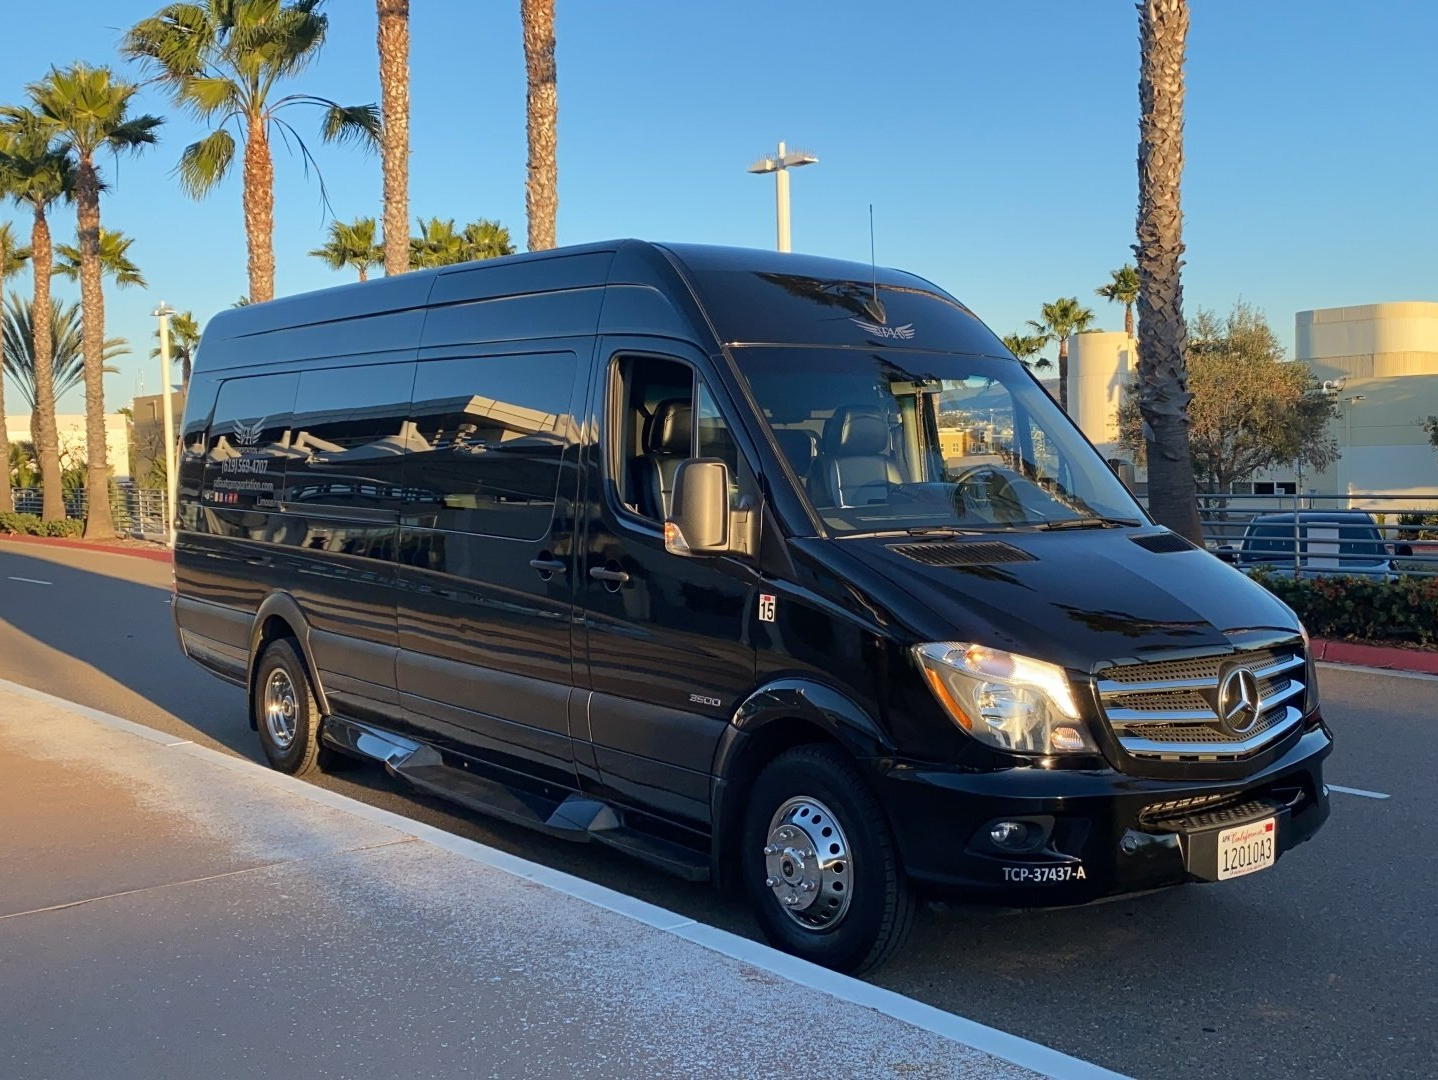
{"x":1359,"y":791}
{"x":1012,"y":1048}
{"x":31,"y":580}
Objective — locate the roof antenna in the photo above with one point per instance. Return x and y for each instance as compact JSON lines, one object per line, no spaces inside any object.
{"x":874,"y":306}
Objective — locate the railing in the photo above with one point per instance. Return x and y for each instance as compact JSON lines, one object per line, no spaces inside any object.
{"x":1288,"y":534}
{"x":138,"y":512}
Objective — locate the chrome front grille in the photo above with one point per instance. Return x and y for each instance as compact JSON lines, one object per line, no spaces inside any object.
{"x":1168,"y":710}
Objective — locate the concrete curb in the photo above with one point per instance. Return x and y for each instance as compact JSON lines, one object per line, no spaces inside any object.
{"x":1375,"y":656}
{"x":1000,"y":1044}
{"x":153,"y":554}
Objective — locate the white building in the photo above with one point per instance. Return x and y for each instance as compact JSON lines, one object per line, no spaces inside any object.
{"x":1380,"y":362}
{"x":71,"y":430}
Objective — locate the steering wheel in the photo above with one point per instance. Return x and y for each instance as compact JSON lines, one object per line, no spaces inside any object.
{"x":986,"y":487}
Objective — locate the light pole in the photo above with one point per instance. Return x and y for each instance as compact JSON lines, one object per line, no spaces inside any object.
{"x":1348,"y":443}
{"x":779,"y":164}
{"x":163,"y":313}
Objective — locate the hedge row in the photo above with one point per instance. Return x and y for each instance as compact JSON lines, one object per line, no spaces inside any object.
{"x":1368,"y":609}
{"x":31,"y":525}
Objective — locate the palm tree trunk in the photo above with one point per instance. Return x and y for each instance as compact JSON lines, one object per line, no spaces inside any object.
{"x":394,"y":141}
{"x":7,"y":503}
{"x":541,"y":192}
{"x":1128,"y":319}
{"x":185,"y":365}
{"x":43,"y":432}
{"x":1162,"y":371}
{"x":99,"y":525}
{"x":1064,"y":374}
{"x":260,"y":212}
{"x":364,"y":274}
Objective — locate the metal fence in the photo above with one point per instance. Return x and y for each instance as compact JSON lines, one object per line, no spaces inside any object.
{"x":138,"y":512}
{"x":1324,"y":535}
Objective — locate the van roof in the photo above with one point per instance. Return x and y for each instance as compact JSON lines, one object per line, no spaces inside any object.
{"x":746,"y":295}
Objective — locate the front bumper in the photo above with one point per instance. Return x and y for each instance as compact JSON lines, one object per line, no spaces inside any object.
{"x":1105,"y":833}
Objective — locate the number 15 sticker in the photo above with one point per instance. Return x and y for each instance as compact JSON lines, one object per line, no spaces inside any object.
{"x":766,"y":607}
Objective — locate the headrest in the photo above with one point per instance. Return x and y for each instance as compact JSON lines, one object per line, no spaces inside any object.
{"x":799,"y":446}
{"x":855,"y":430}
{"x":667,"y":431}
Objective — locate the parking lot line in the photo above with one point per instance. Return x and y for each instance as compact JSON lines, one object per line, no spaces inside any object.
{"x":30,"y":580}
{"x":1359,"y":791}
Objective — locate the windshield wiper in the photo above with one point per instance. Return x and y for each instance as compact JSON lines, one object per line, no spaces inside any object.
{"x":922,"y":530}
{"x":1090,"y":523}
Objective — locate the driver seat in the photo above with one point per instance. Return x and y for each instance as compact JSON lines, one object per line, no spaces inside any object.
{"x":854,"y":466}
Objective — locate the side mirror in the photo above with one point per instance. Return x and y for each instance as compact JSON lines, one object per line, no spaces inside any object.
{"x":1227,"y":553}
{"x":698,"y":521}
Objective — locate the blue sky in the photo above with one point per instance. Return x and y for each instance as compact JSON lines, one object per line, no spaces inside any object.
{"x":996,"y":142}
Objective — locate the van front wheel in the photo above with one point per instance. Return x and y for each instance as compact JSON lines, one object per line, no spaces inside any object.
{"x":820,"y":865}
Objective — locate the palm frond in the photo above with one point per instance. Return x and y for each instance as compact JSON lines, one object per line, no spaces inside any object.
{"x":207,"y":95}
{"x":205,"y":163}
{"x":352,"y":124}
{"x":174,"y":42}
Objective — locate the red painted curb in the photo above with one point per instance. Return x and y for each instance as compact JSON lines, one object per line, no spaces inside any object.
{"x":153,"y":554}
{"x":1379,"y":656}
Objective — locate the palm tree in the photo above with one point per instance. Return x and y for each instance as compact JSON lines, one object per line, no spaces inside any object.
{"x":436,"y":245}
{"x":541,"y":190}
{"x":1025,"y":346}
{"x":184,"y":340}
{"x":13,"y":254}
{"x":394,"y":135}
{"x":1162,"y":374}
{"x":222,"y":60}
{"x":115,"y":262}
{"x":35,"y":173}
{"x":352,"y":246}
{"x":89,"y":110}
{"x":12,"y":260}
{"x":1122,"y":289}
{"x":485,"y":239}
{"x":1059,"y":321}
{"x":17,"y":348}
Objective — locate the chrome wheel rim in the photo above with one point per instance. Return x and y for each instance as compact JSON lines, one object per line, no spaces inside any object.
{"x":807,"y":863}
{"x":282,"y":708}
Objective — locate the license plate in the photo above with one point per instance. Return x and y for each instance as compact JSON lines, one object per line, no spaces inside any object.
{"x":1246,"y":848}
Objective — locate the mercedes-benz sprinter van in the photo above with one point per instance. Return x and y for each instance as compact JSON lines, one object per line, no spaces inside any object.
{"x":767,"y":569}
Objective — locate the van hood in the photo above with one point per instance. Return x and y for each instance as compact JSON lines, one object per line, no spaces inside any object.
{"x":1080,"y":598}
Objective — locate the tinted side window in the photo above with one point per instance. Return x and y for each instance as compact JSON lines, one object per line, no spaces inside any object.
{"x":489,"y":436}
{"x":349,"y":440}
{"x":245,"y":449}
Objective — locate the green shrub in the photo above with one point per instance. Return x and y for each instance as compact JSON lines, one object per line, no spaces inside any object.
{"x":31,"y":525}
{"x":1418,"y":526}
{"x":1369,"y":609}
{"x":64,"y":527}
{"x":24,"y":524}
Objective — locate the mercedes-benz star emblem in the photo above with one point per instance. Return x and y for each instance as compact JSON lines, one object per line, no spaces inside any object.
{"x":1238,"y":700}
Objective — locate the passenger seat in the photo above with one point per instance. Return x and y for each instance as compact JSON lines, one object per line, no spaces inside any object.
{"x":854,"y":467}
{"x":666,"y":445}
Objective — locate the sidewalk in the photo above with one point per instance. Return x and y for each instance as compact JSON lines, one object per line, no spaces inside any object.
{"x":170,"y":911}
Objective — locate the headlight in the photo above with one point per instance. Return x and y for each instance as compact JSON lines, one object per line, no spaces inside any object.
{"x":1008,"y":701}
{"x":1310,"y":671}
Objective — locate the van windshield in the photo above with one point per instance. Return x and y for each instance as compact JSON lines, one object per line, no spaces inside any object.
{"x":892,"y":441}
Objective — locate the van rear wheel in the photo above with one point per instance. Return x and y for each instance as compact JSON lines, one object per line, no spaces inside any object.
{"x":287,"y":714}
{"x":820,"y":865}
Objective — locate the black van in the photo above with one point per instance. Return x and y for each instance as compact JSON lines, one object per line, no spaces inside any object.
{"x":767,"y":569}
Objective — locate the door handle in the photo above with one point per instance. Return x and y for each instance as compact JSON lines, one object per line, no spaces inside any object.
{"x":548,"y":566}
{"x":600,"y":573}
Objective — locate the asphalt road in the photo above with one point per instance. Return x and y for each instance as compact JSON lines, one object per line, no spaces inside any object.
{"x":1326,"y":966}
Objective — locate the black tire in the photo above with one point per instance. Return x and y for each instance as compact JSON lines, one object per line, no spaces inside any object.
{"x":280,"y":673}
{"x":879,"y":912}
